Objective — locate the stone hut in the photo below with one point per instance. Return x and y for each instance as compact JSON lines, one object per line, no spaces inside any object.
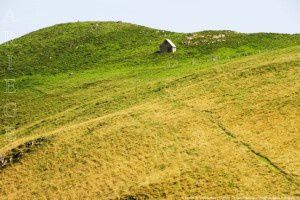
{"x":167,"y":46}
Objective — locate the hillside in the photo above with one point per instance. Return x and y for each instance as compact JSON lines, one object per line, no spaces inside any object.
{"x":101,"y":115}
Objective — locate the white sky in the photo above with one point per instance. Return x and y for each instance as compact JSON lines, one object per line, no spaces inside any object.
{"x":18,"y":17}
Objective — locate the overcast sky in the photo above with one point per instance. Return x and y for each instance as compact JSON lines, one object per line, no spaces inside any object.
{"x":18,"y":17}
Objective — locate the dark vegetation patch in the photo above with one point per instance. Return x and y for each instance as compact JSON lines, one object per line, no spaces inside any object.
{"x":15,"y":154}
{"x":135,"y":197}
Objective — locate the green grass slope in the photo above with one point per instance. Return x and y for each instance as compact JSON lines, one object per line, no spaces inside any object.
{"x":100,"y":115}
{"x":76,"y":46}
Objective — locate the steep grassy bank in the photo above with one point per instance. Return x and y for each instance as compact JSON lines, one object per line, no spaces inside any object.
{"x":216,"y":118}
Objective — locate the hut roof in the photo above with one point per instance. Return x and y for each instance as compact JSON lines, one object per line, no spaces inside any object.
{"x":170,"y":42}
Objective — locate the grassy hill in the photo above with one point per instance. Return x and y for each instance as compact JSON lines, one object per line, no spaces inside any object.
{"x":101,"y":115}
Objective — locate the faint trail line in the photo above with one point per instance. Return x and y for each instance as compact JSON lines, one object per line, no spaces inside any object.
{"x":248,"y":146}
{"x":230,"y":134}
{"x":32,"y":125}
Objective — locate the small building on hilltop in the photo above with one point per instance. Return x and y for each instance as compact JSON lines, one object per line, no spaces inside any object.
{"x":167,"y":47}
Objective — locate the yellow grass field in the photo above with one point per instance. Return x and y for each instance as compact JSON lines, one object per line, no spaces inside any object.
{"x":228,"y":130}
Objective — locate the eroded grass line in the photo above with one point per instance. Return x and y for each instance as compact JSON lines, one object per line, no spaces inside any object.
{"x":252,"y":150}
{"x":15,"y":154}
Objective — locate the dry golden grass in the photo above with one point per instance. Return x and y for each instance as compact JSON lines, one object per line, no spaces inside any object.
{"x":228,"y":130}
